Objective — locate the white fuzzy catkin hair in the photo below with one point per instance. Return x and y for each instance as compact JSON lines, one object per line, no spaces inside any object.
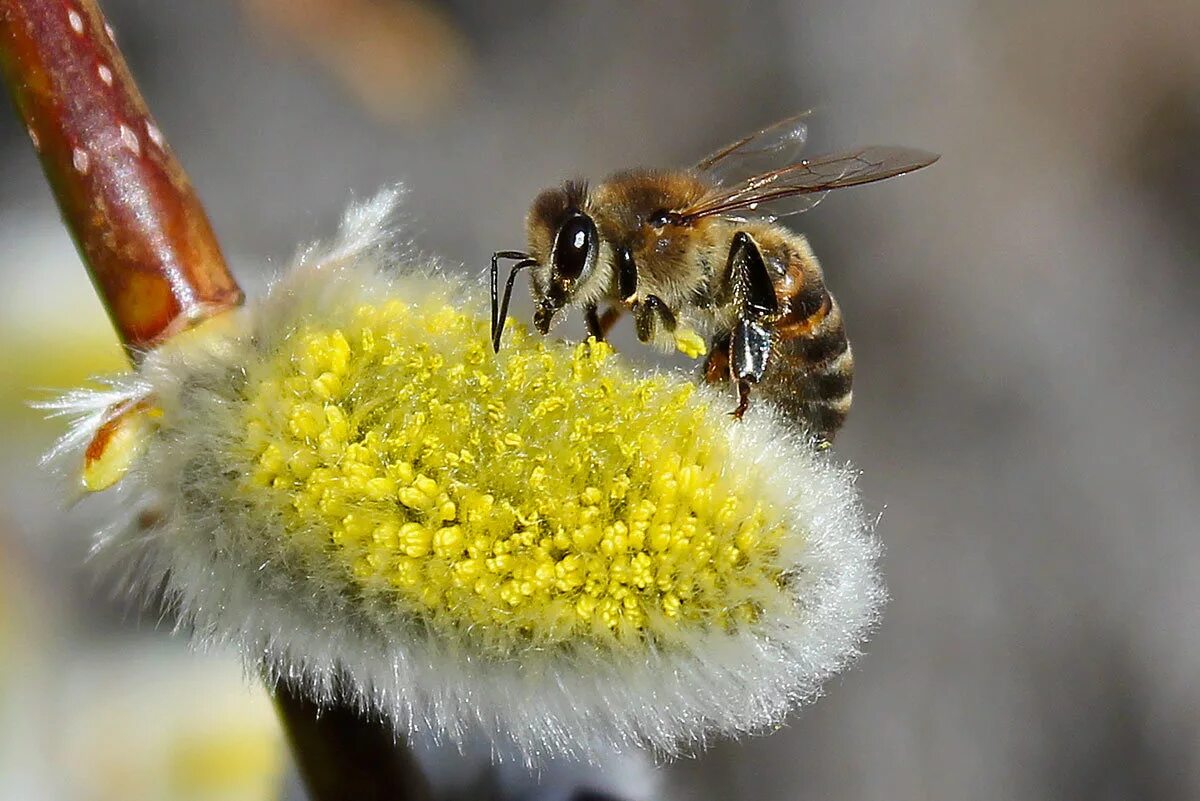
{"x":232,"y":583}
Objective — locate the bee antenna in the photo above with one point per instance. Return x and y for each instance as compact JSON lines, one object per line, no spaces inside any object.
{"x":500,"y":307}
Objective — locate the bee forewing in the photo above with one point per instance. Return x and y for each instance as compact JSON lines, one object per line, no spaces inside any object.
{"x":798,"y":187}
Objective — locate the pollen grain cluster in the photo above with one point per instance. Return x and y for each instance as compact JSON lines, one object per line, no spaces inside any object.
{"x":536,"y":497}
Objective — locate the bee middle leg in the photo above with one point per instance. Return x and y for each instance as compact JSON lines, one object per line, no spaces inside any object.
{"x":650,"y":313}
{"x":716,"y":365}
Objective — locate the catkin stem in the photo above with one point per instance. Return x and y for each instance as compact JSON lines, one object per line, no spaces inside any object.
{"x":346,"y":756}
{"x":148,"y":245}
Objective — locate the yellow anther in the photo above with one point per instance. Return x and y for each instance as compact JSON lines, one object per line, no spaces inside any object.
{"x":414,"y":539}
{"x":380,"y":487}
{"x":448,"y":541}
{"x":403,"y":456}
{"x":327,"y":386}
{"x":387,"y":534}
{"x":427,"y":486}
{"x":413,"y":498}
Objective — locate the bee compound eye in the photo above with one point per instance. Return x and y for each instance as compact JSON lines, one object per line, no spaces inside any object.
{"x":575,"y":247}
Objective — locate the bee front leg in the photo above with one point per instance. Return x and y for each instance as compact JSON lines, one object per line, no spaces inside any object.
{"x":650,"y":313}
{"x":598,"y":325}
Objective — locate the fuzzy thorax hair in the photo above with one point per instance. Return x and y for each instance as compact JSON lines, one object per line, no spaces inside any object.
{"x":547,"y":545}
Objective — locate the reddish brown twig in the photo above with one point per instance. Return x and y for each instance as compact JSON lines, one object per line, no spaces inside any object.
{"x":136,"y":220}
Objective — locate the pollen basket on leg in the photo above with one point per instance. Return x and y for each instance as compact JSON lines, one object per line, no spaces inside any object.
{"x":546,"y":496}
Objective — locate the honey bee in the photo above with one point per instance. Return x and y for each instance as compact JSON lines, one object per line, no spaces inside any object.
{"x":703,"y":247}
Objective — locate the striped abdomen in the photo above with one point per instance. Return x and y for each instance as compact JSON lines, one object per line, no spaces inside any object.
{"x":811,"y":368}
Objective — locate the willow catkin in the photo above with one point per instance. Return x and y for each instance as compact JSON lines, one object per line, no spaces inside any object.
{"x":550,"y":546}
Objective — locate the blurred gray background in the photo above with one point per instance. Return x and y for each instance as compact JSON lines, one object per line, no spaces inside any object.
{"x":1024,"y":313}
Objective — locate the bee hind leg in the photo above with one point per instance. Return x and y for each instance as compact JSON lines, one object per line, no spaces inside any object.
{"x":718,"y":367}
{"x":751,"y":340}
{"x":743,"y":400}
{"x":750,"y":349}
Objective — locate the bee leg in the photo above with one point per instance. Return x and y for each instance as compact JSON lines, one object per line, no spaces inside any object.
{"x":648,"y":314}
{"x":753,"y":289}
{"x":716,"y":366}
{"x":598,"y":325}
{"x":754,"y":293}
{"x":743,"y":400}
{"x":500,"y":307}
{"x":750,"y":349}
{"x":592,"y":319}
{"x":609,"y":318}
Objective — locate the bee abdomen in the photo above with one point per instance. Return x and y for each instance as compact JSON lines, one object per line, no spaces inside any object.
{"x":814,"y":366}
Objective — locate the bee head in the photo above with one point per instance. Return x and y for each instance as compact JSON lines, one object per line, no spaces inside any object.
{"x":566,"y":244}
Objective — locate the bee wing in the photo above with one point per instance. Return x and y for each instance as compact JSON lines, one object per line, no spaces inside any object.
{"x":800,"y":186}
{"x":780,"y":143}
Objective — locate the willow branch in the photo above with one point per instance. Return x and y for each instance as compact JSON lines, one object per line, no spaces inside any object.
{"x":135,"y":218}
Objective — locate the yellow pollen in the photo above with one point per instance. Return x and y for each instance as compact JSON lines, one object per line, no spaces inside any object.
{"x":690,"y":343}
{"x":537,"y":497}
